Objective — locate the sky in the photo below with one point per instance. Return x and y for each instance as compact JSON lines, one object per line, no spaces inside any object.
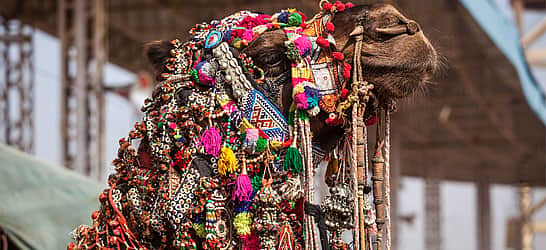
{"x":458,"y":199}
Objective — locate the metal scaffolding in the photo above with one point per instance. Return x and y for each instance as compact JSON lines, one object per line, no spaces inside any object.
{"x":16,"y":84}
{"x":433,"y":210}
{"x":82,"y":32}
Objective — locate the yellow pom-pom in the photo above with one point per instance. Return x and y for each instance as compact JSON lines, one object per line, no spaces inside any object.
{"x":298,"y":89}
{"x":227,"y":163}
{"x":242,"y":222}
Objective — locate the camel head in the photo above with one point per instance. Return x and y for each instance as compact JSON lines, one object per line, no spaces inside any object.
{"x":397,"y":58}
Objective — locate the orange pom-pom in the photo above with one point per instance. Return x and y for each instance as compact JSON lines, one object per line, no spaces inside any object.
{"x":338,"y":56}
{"x":323,"y":42}
{"x":330,"y":27}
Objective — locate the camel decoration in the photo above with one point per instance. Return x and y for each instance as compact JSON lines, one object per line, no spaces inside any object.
{"x":244,"y":111}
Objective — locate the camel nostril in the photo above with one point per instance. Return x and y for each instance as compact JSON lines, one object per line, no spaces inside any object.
{"x":412,"y":27}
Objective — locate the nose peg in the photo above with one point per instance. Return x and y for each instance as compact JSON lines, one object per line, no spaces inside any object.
{"x":412,"y":27}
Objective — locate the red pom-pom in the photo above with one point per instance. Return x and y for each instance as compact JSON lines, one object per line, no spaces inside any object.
{"x":303,"y":25}
{"x":349,"y":5}
{"x":71,"y":246}
{"x":339,"y":6}
{"x":344,"y":94}
{"x":323,"y":42}
{"x":346,"y":71}
{"x":330,"y":27}
{"x":327,"y":6}
{"x":371,"y":121}
{"x":338,"y":56}
{"x":303,"y":16}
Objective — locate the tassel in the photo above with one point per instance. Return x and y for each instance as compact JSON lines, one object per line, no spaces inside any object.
{"x":243,"y":186}
{"x":227,"y":163}
{"x":292,"y":160}
{"x":291,"y":189}
{"x":211,"y":141}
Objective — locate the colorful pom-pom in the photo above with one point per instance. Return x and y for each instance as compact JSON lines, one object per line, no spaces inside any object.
{"x":346,"y":71}
{"x":338,"y":56}
{"x":294,"y":19}
{"x":323,"y":42}
{"x":303,"y":45}
{"x":344,"y":94}
{"x":301,"y":101}
{"x":211,"y":141}
{"x":330,"y":27}
{"x":283,"y":17}
{"x":327,"y":6}
{"x":339,"y":6}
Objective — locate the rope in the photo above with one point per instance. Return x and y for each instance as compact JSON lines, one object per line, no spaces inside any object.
{"x":387,"y":178}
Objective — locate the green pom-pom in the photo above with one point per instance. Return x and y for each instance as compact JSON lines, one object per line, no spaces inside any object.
{"x":194,"y":75}
{"x":256,"y":182}
{"x":261,"y":144}
{"x":292,"y":160}
{"x":294,"y":19}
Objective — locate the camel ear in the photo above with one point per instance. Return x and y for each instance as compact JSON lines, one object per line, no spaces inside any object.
{"x":358,"y":30}
{"x":157,"y":52}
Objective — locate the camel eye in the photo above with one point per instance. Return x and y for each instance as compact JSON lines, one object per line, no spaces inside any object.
{"x":271,"y":60}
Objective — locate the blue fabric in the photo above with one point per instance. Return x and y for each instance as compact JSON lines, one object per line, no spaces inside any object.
{"x":504,"y":34}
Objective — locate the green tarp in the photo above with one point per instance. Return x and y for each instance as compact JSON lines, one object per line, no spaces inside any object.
{"x":40,"y":204}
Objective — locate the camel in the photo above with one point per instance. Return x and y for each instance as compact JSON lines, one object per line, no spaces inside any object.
{"x":224,"y":157}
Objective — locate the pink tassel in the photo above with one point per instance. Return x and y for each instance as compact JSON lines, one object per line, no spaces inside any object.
{"x":243,"y":188}
{"x":211,"y":141}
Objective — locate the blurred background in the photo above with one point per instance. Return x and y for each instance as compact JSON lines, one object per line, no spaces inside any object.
{"x":468,"y":161}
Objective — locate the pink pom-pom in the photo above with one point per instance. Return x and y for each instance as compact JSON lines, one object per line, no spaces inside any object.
{"x":243,"y":188}
{"x":338,"y":56}
{"x":327,"y":6}
{"x":301,"y":101}
{"x":323,"y":42}
{"x":349,"y":5}
{"x":303,"y":45}
{"x":346,"y":71}
{"x":330,"y":27}
{"x":211,"y":141}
